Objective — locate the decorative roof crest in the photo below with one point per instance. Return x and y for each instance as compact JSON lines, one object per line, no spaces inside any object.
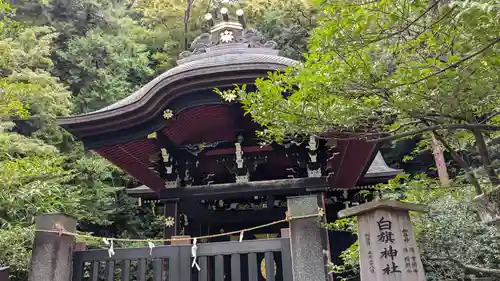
{"x":227,"y":34}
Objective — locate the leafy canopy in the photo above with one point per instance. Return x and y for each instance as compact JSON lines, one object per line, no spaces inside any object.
{"x":388,"y":66}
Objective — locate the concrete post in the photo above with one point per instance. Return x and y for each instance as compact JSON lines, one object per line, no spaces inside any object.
{"x":306,"y":239}
{"x":387,"y":247}
{"x":51,"y":258}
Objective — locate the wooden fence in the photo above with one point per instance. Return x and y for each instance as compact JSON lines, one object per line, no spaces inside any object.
{"x":235,"y":261}
{"x":301,"y":257}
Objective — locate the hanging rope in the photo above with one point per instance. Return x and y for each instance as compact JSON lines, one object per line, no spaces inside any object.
{"x":288,"y":218}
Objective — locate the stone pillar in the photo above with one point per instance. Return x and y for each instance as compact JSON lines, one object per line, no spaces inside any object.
{"x":387,"y":246}
{"x":285,"y":233}
{"x":51,"y":258}
{"x":307,"y":245}
{"x":4,"y":274}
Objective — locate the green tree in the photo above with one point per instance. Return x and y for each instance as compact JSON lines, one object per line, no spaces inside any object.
{"x":288,"y":23}
{"x":171,"y":26}
{"x":103,"y":67}
{"x":35,"y":177}
{"x":388,"y":69}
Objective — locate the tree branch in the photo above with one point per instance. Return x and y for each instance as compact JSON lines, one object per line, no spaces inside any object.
{"x":485,"y":157}
{"x":187,"y":14}
{"x":490,"y":117}
{"x":483,"y":127}
{"x":453,"y":65}
{"x":131,"y":4}
{"x":489,"y":271}
{"x":408,"y":25}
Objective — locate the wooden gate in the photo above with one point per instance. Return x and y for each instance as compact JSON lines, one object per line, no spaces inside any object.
{"x":254,"y":260}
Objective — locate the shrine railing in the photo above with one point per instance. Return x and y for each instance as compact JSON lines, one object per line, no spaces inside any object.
{"x":253,"y":260}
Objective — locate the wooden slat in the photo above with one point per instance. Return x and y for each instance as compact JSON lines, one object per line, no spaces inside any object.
{"x":173,"y":267}
{"x":203,"y":273}
{"x":78,"y":266}
{"x":125,"y":270}
{"x":219,"y":268}
{"x":286,"y":259}
{"x":141,"y":270}
{"x":157,"y":270}
{"x":185,"y":263}
{"x":127,"y":254}
{"x":252,"y":267}
{"x":235,"y":267}
{"x":94,"y":271}
{"x":269,"y":266}
{"x":110,"y":271}
{"x":229,"y":248}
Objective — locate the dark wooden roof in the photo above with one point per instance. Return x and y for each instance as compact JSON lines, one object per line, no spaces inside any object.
{"x":119,"y":132}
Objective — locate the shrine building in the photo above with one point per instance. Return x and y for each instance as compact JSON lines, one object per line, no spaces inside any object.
{"x":197,"y":157}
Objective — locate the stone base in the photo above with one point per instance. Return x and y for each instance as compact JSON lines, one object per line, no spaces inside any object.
{"x":489,"y":207}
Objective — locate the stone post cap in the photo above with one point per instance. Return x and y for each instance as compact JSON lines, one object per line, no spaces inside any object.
{"x":381,"y":204}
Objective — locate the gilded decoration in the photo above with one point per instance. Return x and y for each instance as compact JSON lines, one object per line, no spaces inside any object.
{"x":169,"y":222}
{"x":263,"y":269}
{"x":168,"y":114}
{"x":196,"y":149}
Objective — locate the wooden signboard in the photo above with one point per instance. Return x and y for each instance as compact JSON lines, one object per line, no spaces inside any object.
{"x":388,"y":250}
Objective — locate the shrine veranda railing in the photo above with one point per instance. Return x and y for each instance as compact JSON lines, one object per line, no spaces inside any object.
{"x":235,"y":261}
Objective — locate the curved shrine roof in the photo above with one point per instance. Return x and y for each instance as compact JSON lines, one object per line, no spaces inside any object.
{"x":226,"y":56}
{"x":216,"y":60}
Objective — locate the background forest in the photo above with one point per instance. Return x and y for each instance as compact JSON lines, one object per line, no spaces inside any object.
{"x":60,"y":57}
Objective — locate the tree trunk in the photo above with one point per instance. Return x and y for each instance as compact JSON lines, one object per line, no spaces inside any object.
{"x":187,"y":14}
{"x":468,"y":172}
{"x":485,"y":157}
{"x":437,"y":151}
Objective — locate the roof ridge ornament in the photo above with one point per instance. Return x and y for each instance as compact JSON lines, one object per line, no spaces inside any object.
{"x":227,"y":34}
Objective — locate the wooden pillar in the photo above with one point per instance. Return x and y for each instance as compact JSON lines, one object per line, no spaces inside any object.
{"x":387,"y":246}
{"x":171,"y":210}
{"x":306,"y":240}
{"x":51,"y":258}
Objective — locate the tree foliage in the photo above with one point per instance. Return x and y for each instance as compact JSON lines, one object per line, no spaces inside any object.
{"x":385,"y":70}
{"x":104,"y":67}
{"x":389,"y":66}
{"x":371,"y":62}
{"x":35,"y":176}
